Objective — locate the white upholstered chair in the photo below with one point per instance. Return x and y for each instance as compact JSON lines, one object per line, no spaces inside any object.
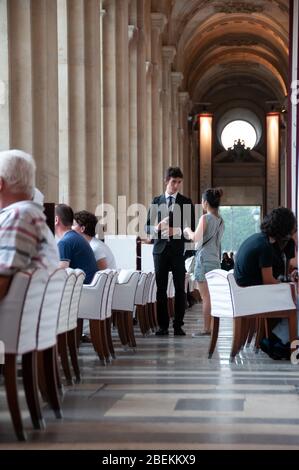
{"x":228,"y":300}
{"x":19,"y":316}
{"x":123,"y":303}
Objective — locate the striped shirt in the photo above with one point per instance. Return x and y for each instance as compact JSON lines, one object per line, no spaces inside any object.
{"x":25,"y":239}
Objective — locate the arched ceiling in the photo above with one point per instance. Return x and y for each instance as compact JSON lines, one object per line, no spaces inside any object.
{"x":222,"y":42}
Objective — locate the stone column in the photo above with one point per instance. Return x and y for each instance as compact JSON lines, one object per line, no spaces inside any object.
{"x":158,"y":22}
{"x":77,"y":105}
{"x":168,"y":54}
{"x":122,"y":96}
{"x":149,"y":142}
{"x":63,"y":101}
{"x":4,"y":77}
{"x":205,"y":122}
{"x":21,"y":114}
{"x":176,"y":80}
{"x":272,"y":174}
{"x":293,"y":148}
{"x":141,"y":103}
{"x":109,"y":104}
{"x":184,"y":158}
{"x":93,"y":85}
{"x":45,"y":104}
{"x":133,"y":98}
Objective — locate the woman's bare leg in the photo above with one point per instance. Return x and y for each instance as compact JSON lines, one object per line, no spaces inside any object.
{"x":206,"y":305}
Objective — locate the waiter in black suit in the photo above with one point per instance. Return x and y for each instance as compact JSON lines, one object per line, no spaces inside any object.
{"x":167,"y":217}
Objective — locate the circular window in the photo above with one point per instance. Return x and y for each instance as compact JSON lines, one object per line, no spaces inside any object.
{"x":238,"y":130}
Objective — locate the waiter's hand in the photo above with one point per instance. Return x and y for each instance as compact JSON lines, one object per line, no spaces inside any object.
{"x":164,"y":224}
{"x":171,"y":232}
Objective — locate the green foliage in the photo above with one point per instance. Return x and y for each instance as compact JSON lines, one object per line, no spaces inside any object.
{"x":240,"y":223}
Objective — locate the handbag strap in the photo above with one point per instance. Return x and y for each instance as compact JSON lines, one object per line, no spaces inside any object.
{"x":215,"y":233}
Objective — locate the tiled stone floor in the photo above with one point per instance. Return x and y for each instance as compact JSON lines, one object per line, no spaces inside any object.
{"x":169,"y":395}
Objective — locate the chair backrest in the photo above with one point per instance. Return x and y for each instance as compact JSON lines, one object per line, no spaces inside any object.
{"x":260,"y":299}
{"x":147,"y":260}
{"x":92,"y":296}
{"x":20,"y":310}
{"x":74,"y":307}
{"x":48,"y":320}
{"x":139,"y":298}
{"x":170,"y":286}
{"x":153,"y":289}
{"x":66,"y":301}
{"x":220,"y":294}
{"x":124,"y":249}
{"x":125,"y":290}
{"x":107,"y":304}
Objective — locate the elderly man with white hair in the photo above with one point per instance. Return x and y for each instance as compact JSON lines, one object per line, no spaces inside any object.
{"x":25,"y":239}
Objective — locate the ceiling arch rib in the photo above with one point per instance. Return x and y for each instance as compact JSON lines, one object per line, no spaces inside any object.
{"x":236,"y":62}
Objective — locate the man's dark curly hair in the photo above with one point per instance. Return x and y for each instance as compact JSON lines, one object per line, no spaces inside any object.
{"x":279,"y":223}
{"x":88,"y":221}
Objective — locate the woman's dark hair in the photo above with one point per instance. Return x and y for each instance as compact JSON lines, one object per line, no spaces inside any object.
{"x":88,"y":221}
{"x":173,"y":172}
{"x":213,"y":196}
{"x":65,"y":213}
{"x":279,"y":223}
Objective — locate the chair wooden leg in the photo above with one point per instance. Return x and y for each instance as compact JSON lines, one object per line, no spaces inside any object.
{"x":57,"y":372}
{"x":120,"y":321}
{"x":237,"y":338}
{"x":252,"y":330}
{"x":72,"y":344}
{"x":140,"y":310}
{"x":104,"y":340}
{"x":214,"y":335}
{"x":29,"y":366}
{"x":109,"y":337}
{"x":49,"y":359}
{"x":293,"y":333}
{"x":130,"y":329}
{"x":11,"y":386}
{"x":260,"y":334}
{"x":96,"y":339}
{"x":63,"y":353}
{"x":79,"y":331}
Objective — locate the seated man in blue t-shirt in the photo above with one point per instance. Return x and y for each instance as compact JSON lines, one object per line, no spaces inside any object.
{"x":263,"y":259}
{"x":74,"y":250}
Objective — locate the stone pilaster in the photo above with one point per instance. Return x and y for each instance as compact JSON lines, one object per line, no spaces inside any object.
{"x":109,"y":104}
{"x":44,"y":104}
{"x":63,"y":102}
{"x":122,"y":96}
{"x":158,"y":23}
{"x":168,"y":54}
{"x":176,"y":80}
{"x":20,"y":59}
{"x":184,"y":158}
{"x":133,"y":99}
{"x":4,"y":77}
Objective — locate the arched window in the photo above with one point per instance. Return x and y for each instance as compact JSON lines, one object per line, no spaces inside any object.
{"x":238,"y":130}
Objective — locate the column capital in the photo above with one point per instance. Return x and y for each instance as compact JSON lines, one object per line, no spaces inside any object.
{"x":132,"y":32}
{"x":102,"y":12}
{"x":176,"y":78}
{"x":184,"y":97}
{"x":158,"y":21}
{"x":168,"y":53}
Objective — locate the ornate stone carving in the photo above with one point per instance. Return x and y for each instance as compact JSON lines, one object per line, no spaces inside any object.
{"x":176,"y":78}
{"x":168,"y":53}
{"x":184,"y":97}
{"x":238,"y":7}
{"x":159,"y":21}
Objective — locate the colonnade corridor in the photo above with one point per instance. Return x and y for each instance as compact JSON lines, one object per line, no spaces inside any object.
{"x":169,"y":395}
